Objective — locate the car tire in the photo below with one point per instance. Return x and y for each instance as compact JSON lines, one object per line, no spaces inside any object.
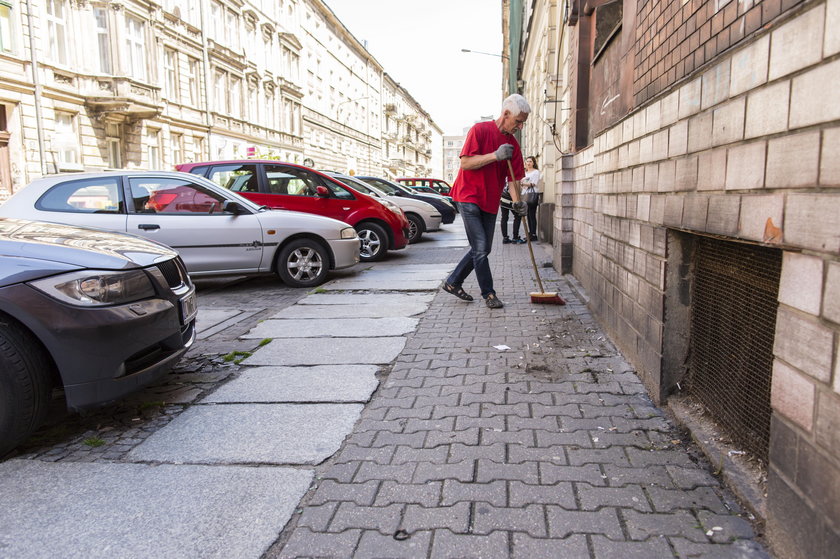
{"x":374,"y":242}
{"x":416,"y":228}
{"x":303,"y":263}
{"x":25,"y":386}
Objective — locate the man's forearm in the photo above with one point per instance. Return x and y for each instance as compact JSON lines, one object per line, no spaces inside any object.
{"x":472,"y":162}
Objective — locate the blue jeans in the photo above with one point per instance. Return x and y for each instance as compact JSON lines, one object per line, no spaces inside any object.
{"x":479,"y":226}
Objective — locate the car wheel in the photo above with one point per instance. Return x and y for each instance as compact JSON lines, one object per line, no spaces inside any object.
{"x":303,"y":263}
{"x":24,"y":384}
{"x":374,"y":242}
{"x":416,"y":227}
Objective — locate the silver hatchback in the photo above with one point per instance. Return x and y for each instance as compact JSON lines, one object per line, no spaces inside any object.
{"x":216,"y":231}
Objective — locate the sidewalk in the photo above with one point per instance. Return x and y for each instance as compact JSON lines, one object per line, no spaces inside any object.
{"x":548,"y":449}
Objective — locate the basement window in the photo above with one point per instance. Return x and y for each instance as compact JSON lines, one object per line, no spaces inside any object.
{"x":608,"y":18}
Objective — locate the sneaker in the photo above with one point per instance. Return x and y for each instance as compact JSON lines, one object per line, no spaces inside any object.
{"x":533,"y":237}
{"x":519,"y":241}
{"x":493,"y":302}
{"x":506,"y":241}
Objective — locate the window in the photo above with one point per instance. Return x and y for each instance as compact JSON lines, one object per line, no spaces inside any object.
{"x":56,"y":30}
{"x":270,"y":109}
{"x":65,"y":142}
{"x":135,"y":44}
{"x":253,"y":102}
{"x":83,"y":196}
{"x":6,"y":42}
{"x":176,"y":148}
{"x":114,"y":145}
{"x":238,"y":178}
{"x":103,"y":40}
{"x":153,"y":149}
{"x":173,"y":196}
{"x":234,"y":108}
{"x":220,"y":91}
{"x":292,"y":181}
{"x":193,"y":75}
{"x":608,"y":20}
{"x":170,"y":69}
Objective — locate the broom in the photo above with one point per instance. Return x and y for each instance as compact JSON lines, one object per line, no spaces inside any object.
{"x":550,"y":298}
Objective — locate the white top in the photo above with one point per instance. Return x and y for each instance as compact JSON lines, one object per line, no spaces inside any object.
{"x":532,"y":178}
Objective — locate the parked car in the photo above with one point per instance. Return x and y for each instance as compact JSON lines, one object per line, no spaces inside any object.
{"x":100,"y":314}
{"x":215,"y":231}
{"x":294,"y":187}
{"x":445,"y":207}
{"x":421,"y":216}
{"x":438,"y":186}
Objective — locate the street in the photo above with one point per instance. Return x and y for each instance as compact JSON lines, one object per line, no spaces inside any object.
{"x":377,"y":416}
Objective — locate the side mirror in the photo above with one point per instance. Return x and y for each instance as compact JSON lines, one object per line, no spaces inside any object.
{"x":322,"y":191}
{"x":233,"y":207}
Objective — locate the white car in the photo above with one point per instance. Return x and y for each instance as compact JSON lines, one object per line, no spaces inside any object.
{"x":421,"y":216}
{"x":216,"y":231}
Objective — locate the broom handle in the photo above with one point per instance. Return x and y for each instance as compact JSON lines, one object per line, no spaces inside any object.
{"x":527,"y":232}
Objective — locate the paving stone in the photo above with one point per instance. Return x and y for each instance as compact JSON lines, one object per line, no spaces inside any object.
{"x":342,"y":473}
{"x":518,"y":454}
{"x":618,"y":476}
{"x":592,"y":498}
{"x":614,"y":455}
{"x":382,"y":519}
{"x":456,"y":518}
{"x":317,"y":517}
{"x":491,"y":471}
{"x":406,"y":454}
{"x":743,"y":549}
{"x":462,"y":471}
{"x":447,"y":544}
{"x":564,"y":523}
{"x":689,"y":478}
{"x":639,"y":457}
{"x":360,"y":493}
{"x":529,"y":519}
{"x":572,"y":439}
{"x":460,"y":452}
{"x":499,"y":435}
{"x":468,"y":437}
{"x":307,"y":543}
{"x":368,"y":471}
{"x":426,"y":494}
{"x":605,"y":548}
{"x":521,"y":494}
{"x":374,"y":545}
{"x":354,"y":453}
{"x":731,"y":527}
{"x":455,"y":491}
{"x":356,"y":327}
{"x":589,"y":473}
{"x":526,"y":547}
{"x":641,"y":526}
{"x":665,"y":500}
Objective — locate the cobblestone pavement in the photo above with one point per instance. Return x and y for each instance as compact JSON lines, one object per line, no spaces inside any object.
{"x":550,"y":448}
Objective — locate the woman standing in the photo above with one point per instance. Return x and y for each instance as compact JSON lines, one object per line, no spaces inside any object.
{"x":531,"y":194}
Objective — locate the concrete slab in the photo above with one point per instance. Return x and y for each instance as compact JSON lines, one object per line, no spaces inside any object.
{"x":207,"y":318}
{"x":379,"y":299}
{"x":88,"y":511}
{"x":335,"y":351}
{"x":329,"y":327}
{"x":351,"y":311}
{"x":328,"y":383}
{"x":383,"y":282}
{"x":251,"y":433}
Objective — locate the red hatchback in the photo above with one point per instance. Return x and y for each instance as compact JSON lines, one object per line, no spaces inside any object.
{"x":288,"y":186}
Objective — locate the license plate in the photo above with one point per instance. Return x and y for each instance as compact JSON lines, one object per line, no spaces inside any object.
{"x":189,"y":308}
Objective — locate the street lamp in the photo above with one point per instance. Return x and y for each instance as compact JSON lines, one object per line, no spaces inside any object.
{"x":504,"y":56}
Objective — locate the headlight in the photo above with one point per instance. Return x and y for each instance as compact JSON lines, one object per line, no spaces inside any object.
{"x":391,"y":206}
{"x":96,"y":288}
{"x":348,"y":233}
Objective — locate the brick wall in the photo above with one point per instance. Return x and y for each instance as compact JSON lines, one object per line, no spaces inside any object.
{"x":745,"y":147}
{"x":676,"y":37}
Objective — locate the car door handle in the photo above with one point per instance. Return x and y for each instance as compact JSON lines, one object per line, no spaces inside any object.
{"x":148,"y":226}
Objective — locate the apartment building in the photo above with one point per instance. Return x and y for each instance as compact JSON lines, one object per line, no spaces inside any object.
{"x":145,"y":85}
{"x":696,"y":202}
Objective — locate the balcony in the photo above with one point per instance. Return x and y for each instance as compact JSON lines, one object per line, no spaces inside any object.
{"x":390,"y":108}
{"x":122,"y":99}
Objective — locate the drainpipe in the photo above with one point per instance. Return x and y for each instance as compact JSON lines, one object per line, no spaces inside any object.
{"x":205,"y":61}
{"x":36,"y":83}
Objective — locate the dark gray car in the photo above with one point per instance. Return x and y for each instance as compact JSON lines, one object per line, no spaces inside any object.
{"x":98,"y":313}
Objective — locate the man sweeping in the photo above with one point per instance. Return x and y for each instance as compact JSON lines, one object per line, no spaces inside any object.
{"x":488,"y":149}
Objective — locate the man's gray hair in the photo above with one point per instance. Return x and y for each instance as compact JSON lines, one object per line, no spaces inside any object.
{"x":516,"y":104}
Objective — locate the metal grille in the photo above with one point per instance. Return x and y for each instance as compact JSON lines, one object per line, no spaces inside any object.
{"x":171,"y":271}
{"x":732,"y":329}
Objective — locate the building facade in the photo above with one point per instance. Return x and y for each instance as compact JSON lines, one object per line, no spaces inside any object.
{"x":695,"y":189}
{"x":146,"y":85}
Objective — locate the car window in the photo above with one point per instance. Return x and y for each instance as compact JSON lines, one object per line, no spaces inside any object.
{"x":99,"y":195}
{"x":238,"y":178}
{"x":173,"y":196}
{"x":294,"y":181}
{"x":382,"y":185}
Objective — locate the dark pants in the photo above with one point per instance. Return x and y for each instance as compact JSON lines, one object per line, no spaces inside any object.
{"x":516,"y":221}
{"x":479,"y":226}
{"x":532,"y":218}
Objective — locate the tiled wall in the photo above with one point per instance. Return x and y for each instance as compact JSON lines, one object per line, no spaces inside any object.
{"x":747,"y":148}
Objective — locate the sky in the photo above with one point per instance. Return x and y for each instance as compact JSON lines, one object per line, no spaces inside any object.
{"x":419,"y":42}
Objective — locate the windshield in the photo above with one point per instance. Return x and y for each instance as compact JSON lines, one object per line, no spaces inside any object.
{"x":382,"y":185}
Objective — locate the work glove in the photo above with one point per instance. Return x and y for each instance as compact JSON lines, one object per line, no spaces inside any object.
{"x":519,"y":208}
{"x":504,"y":151}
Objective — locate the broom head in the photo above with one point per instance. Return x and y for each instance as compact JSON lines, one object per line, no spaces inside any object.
{"x":547,"y":299}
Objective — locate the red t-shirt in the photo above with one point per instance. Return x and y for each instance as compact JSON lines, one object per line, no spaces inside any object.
{"x":484,"y":186}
